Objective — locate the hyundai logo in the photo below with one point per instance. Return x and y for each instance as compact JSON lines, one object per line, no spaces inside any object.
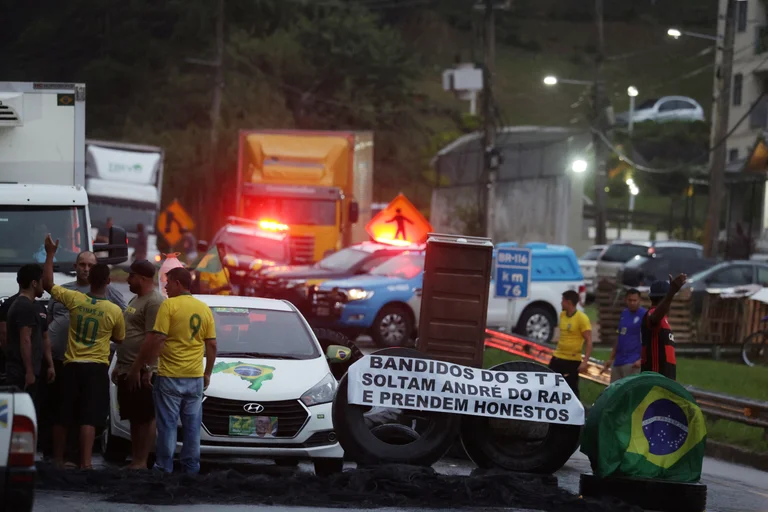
{"x":253,"y":408}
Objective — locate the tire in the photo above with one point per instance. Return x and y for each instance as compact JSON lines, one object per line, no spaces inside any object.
{"x":537,"y":323}
{"x":395,"y":434}
{"x":364,"y":447}
{"x":486,"y":447}
{"x":393,"y":327}
{"x":328,"y":467}
{"x":754,"y":350}
{"x":648,"y":494}
{"x":114,"y":449}
{"x":328,"y":337}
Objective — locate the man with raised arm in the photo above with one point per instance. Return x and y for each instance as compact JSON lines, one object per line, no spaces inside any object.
{"x":84,"y":379}
{"x":658,"y":340}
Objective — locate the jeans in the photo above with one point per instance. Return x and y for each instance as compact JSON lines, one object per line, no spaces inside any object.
{"x":176,"y":398}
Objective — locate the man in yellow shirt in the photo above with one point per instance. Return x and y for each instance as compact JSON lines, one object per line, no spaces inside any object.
{"x":575,"y":330}
{"x":184,"y":333}
{"x":84,"y":379}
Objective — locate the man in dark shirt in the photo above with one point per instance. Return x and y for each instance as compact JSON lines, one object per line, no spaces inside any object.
{"x":658,"y":341}
{"x":27,"y":341}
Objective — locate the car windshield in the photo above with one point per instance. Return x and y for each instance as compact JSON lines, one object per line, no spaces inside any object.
{"x":622,"y":253}
{"x":592,"y":254}
{"x":243,"y":242}
{"x":298,"y":211}
{"x":262,"y":333}
{"x":647,"y":104}
{"x":405,"y":266}
{"x":343,"y":260}
{"x":636,"y":262}
{"x":23,"y":230}
{"x":698,"y":276}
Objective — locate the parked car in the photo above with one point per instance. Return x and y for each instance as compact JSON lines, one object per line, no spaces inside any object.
{"x":728,"y":274}
{"x":18,"y":439}
{"x":588,"y":265}
{"x":271,"y":391}
{"x":641,"y":271}
{"x":668,"y":108}
{"x":617,"y":254}
{"x":293,"y":283}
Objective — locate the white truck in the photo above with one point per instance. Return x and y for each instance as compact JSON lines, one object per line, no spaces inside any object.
{"x":124,"y":182}
{"x":18,"y":437}
{"x":42,"y":181}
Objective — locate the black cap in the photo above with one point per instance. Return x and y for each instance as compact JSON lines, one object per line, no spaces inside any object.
{"x":659,"y":289}
{"x":143,"y":268}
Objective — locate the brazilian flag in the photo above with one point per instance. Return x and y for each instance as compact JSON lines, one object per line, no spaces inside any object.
{"x":210,"y":270}
{"x":256,"y":374}
{"x":646,"y":426}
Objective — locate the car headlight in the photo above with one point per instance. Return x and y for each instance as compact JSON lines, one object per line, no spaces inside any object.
{"x":322,"y":393}
{"x":359,"y":294}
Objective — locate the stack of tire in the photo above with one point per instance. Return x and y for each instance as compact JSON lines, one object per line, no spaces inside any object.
{"x":488,"y":446}
{"x":645,"y":438}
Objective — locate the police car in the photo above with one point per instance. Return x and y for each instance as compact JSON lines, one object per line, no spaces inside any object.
{"x":18,"y":440}
{"x":271,"y":391}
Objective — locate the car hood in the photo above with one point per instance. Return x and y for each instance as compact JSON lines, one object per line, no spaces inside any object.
{"x":302,"y":272}
{"x":268,"y":380}
{"x":9,"y":286}
{"x":364,"y":282}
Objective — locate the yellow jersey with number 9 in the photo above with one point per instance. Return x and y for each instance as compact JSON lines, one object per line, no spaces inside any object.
{"x":93,"y":322}
{"x":186,"y":323}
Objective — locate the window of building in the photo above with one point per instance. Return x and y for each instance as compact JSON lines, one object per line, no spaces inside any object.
{"x":738,"y":82}
{"x":733,"y":155}
{"x":741,"y":16}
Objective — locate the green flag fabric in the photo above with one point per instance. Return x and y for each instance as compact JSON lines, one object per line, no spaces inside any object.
{"x":646,"y":426}
{"x":209,"y":262}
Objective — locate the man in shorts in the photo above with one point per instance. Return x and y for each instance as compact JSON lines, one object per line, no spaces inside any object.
{"x":625,"y":356}
{"x":84,"y":386}
{"x":575,"y":331}
{"x":184,"y":333}
{"x":136,"y":404}
{"x":658,"y":354}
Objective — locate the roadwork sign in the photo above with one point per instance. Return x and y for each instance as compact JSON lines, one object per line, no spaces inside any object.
{"x":172,"y":221}
{"x":513,"y":273}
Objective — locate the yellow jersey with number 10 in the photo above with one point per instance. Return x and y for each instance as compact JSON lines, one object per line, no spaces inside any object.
{"x":186,"y":323}
{"x":93,"y":322}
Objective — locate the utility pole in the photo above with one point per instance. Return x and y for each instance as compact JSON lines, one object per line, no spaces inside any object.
{"x":717,"y":169}
{"x":599,"y":123}
{"x":489,"y":120}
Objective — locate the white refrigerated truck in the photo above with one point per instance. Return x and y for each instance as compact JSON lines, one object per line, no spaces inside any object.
{"x":42,"y":181}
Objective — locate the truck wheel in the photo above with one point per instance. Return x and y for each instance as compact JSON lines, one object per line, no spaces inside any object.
{"x":328,"y":467}
{"x":660,"y":495}
{"x":114,"y":449}
{"x":392,"y":327}
{"x":517,"y":445}
{"x":537,"y":323}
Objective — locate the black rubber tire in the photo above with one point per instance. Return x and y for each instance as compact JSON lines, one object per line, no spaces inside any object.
{"x":486,"y":450}
{"x":328,"y":337}
{"x":328,"y":467}
{"x":362,"y":446}
{"x":408,"y":328}
{"x":117,"y":449}
{"x":660,"y":495}
{"x":527,"y":314}
{"x":393,"y":433}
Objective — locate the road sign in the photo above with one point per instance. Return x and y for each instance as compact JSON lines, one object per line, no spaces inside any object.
{"x":513,"y":273}
{"x":399,"y":222}
{"x":172,"y":220}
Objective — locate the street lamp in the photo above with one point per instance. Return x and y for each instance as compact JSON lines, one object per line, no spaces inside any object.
{"x":553,"y":80}
{"x":677,"y":33}
{"x":632,"y":92}
{"x":579,"y":166}
{"x":550,"y":80}
{"x":633,"y":191}
{"x":673,"y":32}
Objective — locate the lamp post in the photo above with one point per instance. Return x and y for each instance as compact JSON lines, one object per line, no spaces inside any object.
{"x":633,"y":191}
{"x":677,"y":33}
{"x":632,"y":92}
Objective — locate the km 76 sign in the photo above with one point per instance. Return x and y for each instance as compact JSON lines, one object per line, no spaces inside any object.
{"x":513,"y":273}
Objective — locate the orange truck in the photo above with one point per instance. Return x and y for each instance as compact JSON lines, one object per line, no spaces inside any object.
{"x":316,"y":185}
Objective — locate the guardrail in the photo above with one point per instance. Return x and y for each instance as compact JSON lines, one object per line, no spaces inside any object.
{"x":715,"y":405}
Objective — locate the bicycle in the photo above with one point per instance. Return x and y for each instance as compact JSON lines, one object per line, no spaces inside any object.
{"x":754,"y":348}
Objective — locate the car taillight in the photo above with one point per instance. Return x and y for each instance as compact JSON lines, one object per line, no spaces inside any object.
{"x":583,"y":294}
{"x":22,"y":453}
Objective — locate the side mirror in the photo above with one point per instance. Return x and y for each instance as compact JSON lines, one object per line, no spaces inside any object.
{"x":354,"y":212}
{"x":338,"y":354}
{"x":117,"y":247}
{"x":202,"y":246}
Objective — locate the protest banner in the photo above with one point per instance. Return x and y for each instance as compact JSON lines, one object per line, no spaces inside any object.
{"x":429,"y":385}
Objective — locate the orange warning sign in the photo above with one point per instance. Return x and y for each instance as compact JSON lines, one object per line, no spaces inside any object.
{"x":400,"y":223}
{"x":172,"y":221}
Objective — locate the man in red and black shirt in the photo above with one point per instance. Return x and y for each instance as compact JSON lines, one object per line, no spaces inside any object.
{"x":658,"y":354}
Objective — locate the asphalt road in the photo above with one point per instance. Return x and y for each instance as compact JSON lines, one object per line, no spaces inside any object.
{"x":731,"y":488}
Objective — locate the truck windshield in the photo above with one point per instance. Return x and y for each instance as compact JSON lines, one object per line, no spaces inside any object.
{"x":243,"y":244}
{"x":262,"y":333}
{"x":405,"y":266}
{"x":343,"y":260}
{"x":127,"y":217}
{"x":23,"y":230}
{"x":291,"y":211}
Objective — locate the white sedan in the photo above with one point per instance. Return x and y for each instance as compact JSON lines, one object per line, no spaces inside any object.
{"x":271,"y":391}
{"x":668,"y":108}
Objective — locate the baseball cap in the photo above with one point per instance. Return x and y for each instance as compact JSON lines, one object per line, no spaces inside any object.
{"x":143,"y":268}
{"x":659,"y":289}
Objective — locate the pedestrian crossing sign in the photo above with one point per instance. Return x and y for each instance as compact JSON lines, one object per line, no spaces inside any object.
{"x":172,"y":221}
{"x":400,"y":223}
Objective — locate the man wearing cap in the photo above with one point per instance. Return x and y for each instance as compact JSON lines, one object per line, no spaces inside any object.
{"x":658,"y":354}
{"x":135,"y":401}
